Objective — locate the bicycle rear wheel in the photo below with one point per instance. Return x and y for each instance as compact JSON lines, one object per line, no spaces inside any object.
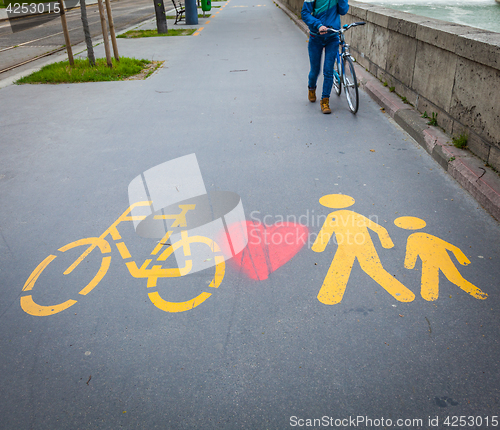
{"x":350,"y":85}
{"x":337,"y":82}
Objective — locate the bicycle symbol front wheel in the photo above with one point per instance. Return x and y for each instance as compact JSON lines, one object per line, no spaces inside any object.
{"x":31,"y":307}
{"x":220,"y":269}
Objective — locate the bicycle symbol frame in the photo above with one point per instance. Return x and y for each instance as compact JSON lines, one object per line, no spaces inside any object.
{"x":151,"y":274}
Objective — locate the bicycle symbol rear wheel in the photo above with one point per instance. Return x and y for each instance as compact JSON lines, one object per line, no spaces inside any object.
{"x":31,"y":307}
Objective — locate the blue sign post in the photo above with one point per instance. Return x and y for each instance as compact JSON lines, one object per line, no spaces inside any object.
{"x":191,"y":12}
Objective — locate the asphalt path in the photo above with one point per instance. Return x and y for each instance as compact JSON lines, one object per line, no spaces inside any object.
{"x":258,"y":353}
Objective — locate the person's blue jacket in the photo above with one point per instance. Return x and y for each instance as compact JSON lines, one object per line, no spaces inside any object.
{"x":325,"y":12}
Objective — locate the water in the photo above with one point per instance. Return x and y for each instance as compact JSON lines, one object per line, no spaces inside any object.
{"x":483,"y":14}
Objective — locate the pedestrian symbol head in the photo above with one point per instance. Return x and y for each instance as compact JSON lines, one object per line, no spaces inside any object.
{"x":336,"y":201}
{"x":410,"y":222}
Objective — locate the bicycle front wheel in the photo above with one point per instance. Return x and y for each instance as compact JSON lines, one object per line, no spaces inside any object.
{"x":337,"y":82}
{"x":350,"y":84}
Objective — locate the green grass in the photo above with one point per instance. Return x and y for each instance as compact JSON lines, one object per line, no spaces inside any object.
{"x":133,"y":34}
{"x":460,"y":141}
{"x":432,"y":120}
{"x":62,"y":72}
{"x":200,"y":15}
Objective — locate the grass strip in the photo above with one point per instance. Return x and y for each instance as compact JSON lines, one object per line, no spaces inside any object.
{"x":62,"y":72}
{"x":200,"y":15}
{"x":133,"y":34}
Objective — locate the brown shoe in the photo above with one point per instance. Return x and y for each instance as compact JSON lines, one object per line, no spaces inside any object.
{"x":312,"y":95}
{"x":325,"y":105}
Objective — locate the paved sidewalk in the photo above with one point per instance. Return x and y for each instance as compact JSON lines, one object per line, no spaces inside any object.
{"x":397,"y":317}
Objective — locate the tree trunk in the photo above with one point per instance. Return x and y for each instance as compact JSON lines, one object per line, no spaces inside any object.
{"x":161,"y":18}
{"x":86,"y":31}
{"x":104,"y":27}
{"x":64,"y":24}
{"x":112,"y":30}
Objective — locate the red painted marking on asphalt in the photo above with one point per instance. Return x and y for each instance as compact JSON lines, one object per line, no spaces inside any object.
{"x":269,"y":247}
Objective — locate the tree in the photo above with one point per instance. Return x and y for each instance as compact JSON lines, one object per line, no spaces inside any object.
{"x":86,"y":31}
{"x":161,"y":19}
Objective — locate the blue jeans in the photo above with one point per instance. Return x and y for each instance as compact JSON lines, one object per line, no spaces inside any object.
{"x":330,"y":43}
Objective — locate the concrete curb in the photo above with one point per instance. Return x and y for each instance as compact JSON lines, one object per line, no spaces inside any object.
{"x":482,"y":182}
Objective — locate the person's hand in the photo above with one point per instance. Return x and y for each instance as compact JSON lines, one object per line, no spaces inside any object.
{"x":323,"y":30}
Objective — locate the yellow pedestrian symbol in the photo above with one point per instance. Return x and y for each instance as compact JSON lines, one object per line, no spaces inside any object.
{"x":433,"y":252}
{"x":354,"y":242}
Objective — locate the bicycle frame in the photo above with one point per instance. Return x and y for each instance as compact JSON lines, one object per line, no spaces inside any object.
{"x":343,"y":52}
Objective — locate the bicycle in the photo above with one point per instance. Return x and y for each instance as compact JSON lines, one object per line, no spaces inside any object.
{"x":152,"y":274}
{"x":343,"y":69}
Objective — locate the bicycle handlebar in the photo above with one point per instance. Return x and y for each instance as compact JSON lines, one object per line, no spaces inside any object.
{"x":344,"y":28}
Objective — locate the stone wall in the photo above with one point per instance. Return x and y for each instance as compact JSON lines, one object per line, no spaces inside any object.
{"x":450,"y":69}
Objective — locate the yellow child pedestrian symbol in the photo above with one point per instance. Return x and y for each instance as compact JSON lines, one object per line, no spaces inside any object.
{"x":354,"y":242}
{"x":433,"y":252}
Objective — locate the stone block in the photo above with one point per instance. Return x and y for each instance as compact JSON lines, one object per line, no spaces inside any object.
{"x":434,"y":74}
{"x":494,"y":158}
{"x":358,"y":12}
{"x":377,"y":17}
{"x":401,"y":51}
{"x":476,"y":99}
{"x":440,"y":154}
{"x":443,"y":119}
{"x":358,"y":37}
{"x":383,"y":76}
{"x":413,"y":124}
{"x":374,"y":69}
{"x":441,"y":35}
{"x":377,"y":39}
{"x":400,"y":24}
{"x":408,"y":94}
{"x":478,"y":146}
{"x":481,"y":46}
{"x":458,"y":129}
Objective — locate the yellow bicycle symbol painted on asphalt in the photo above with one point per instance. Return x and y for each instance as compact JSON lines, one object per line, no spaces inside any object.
{"x":144,"y":271}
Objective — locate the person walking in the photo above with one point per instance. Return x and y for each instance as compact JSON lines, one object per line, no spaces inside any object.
{"x":319,"y":15}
